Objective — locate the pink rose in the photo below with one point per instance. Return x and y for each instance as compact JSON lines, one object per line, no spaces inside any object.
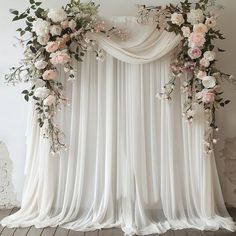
{"x":201,"y":74}
{"x":207,"y":96}
{"x":50,"y":100}
{"x":59,"y":57}
{"x":204,"y":62}
{"x":52,"y":46}
{"x":194,"y":53}
{"x":196,"y":40}
{"x":49,"y":74}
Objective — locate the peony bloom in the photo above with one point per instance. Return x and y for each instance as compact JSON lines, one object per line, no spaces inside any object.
{"x":49,"y":74}
{"x":177,"y":19}
{"x":55,"y":30}
{"x":43,"y":40}
{"x":194,"y":53}
{"x":52,"y":46}
{"x":49,"y":101}
{"x":210,"y":55}
{"x":200,"y":28}
{"x":204,"y":62}
{"x":59,"y":57}
{"x":40,"y":64}
{"x":186,"y":31}
{"x":196,"y":40}
{"x":42,"y":92}
{"x":57,"y":15}
{"x":209,"y":82}
{"x":210,"y":22}
{"x":201,"y":74}
{"x":72,"y":24}
{"x":196,"y":16}
{"x":65,"y":24}
{"x":41,"y":27}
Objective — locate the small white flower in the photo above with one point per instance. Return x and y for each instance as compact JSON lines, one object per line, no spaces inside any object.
{"x":100,"y":56}
{"x":72,"y":24}
{"x":41,"y":27}
{"x":57,"y":15}
{"x":55,"y":30}
{"x":43,"y":40}
{"x":41,"y":64}
{"x":210,"y":55}
{"x":209,"y":82}
{"x":196,"y":16}
{"x":177,"y":19}
{"x":42,"y":92}
{"x":186,"y":31}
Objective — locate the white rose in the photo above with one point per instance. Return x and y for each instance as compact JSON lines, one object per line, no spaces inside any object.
{"x":210,"y":22}
{"x":210,"y":55}
{"x":42,"y":92}
{"x":196,"y":16}
{"x":41,"y":27}
{"x":41,"y":64}
{"x":55,"y":30}
{"x":43,"y":40}
{"x":57,"y":15}
{"x":209,"y":82}
{"x":177,"y":19}
{"x":50,"y":100}
{"x":72,"y":24}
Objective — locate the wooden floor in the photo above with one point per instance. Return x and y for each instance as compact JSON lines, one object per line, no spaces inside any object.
{"x":31,"y":231}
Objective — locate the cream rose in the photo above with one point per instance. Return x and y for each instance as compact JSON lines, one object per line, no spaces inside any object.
{"x":41,"y":27}
{"x":201,"y":74}
{"x":177,"y":19}
{"x":204,"y":62}
{"x":210,"y":22}
{"x":55,"y":30}
{"x":209,"y":81}
{"x":57,"y":15}
{"x":195,"y":16}
{"x":210,"y":55}
{"x":42,"y":92}
{"x":43,"y":40}
{"x":186,"y":31}
{"x":200,"y":28}
{"x":52,"y":46}
{"x":49,"y":74}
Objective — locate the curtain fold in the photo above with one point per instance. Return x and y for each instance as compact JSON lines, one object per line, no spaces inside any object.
{"x":132,"y":160}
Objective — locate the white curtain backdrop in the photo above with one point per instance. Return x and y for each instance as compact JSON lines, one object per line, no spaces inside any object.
{"x":132,"y":160}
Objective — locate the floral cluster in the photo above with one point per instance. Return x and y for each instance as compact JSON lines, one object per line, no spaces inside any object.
{"x":195,"y":58}
{"x":55,"y":38}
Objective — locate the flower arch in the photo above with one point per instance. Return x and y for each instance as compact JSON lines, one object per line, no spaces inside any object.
{"x":58,"y":36}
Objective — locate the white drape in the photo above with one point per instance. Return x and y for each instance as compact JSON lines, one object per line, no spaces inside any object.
{"x":132,"y":160}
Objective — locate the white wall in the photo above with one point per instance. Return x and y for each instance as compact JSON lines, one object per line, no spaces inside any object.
{"x":13,"y":109}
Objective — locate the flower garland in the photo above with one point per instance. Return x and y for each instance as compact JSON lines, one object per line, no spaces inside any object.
{"x":196,"y":57}
{"x":56,"y":37}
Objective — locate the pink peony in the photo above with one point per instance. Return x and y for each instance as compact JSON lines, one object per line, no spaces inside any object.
{"x":208,"y":97}
{"x":194,"y":53}
{"x":59,"y":57}
{"x":52,"y":46}
{"x":49,"y":74}
{"x":196,"y":40}
{"x":204,"y":62}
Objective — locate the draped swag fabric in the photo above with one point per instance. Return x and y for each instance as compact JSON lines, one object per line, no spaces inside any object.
{"x":132,"y":160}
